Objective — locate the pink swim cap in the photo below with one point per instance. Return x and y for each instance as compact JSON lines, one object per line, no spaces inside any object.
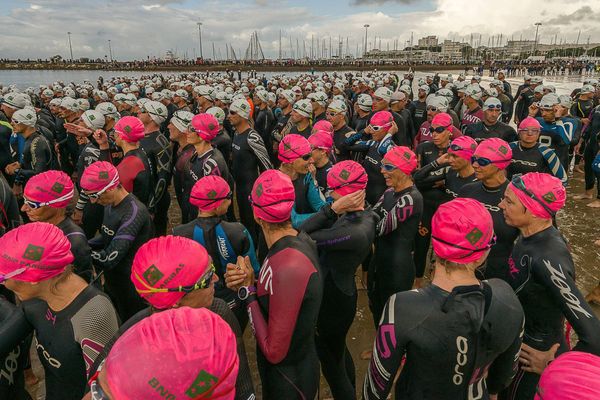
{"x":571,"y":376}
{"x":51,"y":188}
{"x":402,"y":158}
{"x":34,"y":252}
{"x":292,"y":147}
{"x":495,"y":150}
{"x":464,"y":147}
{"x":347,"y":177}
{"x":442,"y":119}
{"x":168,"y":262}
{"x":461,"y":231}
{"x":323,"y":125}
{"x":191,"y":352}
{"x":209,"y":192}
{"x":542,"y":194}
{"x":206,"y":126}
{"x":321,"y":140}
{"x":100,"y":175}
{"x":273,"y":196}
{"x":529,"y":123}
{"x":382,"y":120}
{"x":130,"y":129}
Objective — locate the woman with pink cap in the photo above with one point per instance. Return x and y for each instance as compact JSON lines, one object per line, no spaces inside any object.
{"x":72,"y":320}
{"x":206,"y":160}
{"x":542,"y":273}
{"x":459,"y":337}
{"x":321,"y":143}
{"x":295,"y":154}
{"x":392,"y":268}
{"x":223,"y":240}
{"x":490,"y":160}
{"x":284,"y":303}
{"x":45,"y":199}
{"x":183,"y":352}
{"x":572,"y":376}
{"x":380,"y":133}
{"x":171,"y":272}
{"x":344,"y":232}
{"x":433,"y":193}
{"x":529,"y":155}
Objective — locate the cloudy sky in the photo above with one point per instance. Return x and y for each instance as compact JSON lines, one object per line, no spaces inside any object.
{"x":141,"y":28}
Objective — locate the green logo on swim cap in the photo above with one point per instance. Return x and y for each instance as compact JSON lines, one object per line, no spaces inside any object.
{"x":152,"y":275}
{"x":503,"y":150}
{"x":474,"y":236}
{"x":259,"y":190}
{"x":407,"y":155}
{"x":212,"y":194}
{"x":91,"y":117}
{"x":344,"y":174}
{"x":203,"y":383}
{"x":103,"y":175}
{"x":127,"y":129}
{"x":58,"y":187}
{"x":33,"y":252}
{"x":549,"y":197}
{"x":287,"y":146}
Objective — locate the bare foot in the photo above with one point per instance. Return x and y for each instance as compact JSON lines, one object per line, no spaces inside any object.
{"x":597,"y":242}
{"x":584,"y":196}
{"x":366,"y":354}
{"x":594,"y":204}
{"x":594,"y":295}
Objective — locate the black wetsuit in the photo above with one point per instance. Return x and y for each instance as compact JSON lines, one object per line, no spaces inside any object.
{"x":343,"y":242}
{"x":36,"y":158}
{"x":249,"y":157}
{"x":222,"y":142}
{"x":340,"y":147}
{"x":433,"y":197}
{"x":244,"y":389}
{"x":5,"y":149}
{"x":542,"y":274}
{"x":392,"y":268}
{"x":67,"y":341}
{"x":451,"y":342}
{"x":419,"y":112}
{"x":481,"y":131}
{"x":496,"y":265}
{"x":283,"y":314}
{"x":10,"y":216}
{"x":79,"y":247}
{"x":539,"y":158}
{"x":264,"y":125}
{"x":304,"y":132}
{"x":135,"y":175}
{"x":434,"y":172}
{"x":321,"y":176}
{"x":12,"y":365}
{"x":223,"y":241}
{"x":181,"y":172}
{"x":559,"y":136}
{"x":211,"y":162}
{"x":125,"y":228}
{"x":160,"y":153}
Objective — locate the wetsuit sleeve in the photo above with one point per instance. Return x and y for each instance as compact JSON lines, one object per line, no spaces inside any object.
{"x":388,"y":350}
{"x":83,"y":255}
{"x":390,"y":220}
{"x":128,"y":170}
{"x":353,"y":143}
{"x":258,"y":147}
{"x":40,"y":159}
{"x":14,"y":327}
{"x":250,"y":251}
{"x":315,"y":199}
{"x":288,"y":288}
{"x":425,"y":179}
{"x":120,"y":245}
{"x":506,"y":365}
{"x":553,"y":163}
{"x":323,"y":219}
{"x":10,"y":216}
{"x":557,"y":276}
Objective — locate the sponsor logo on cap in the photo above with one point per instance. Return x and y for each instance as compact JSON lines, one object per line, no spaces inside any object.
{"x":344,"y":174}
{"x":212,"y":194}
{"x":474,"y":236}
{"x":211,"y":126}
{"x":127,"y":129}
{"x":58,"y":187}
{"x":152,"y":275}
{"x":503,"y":150}
{"x":103,"y":175}
{"x":33,"y":252}
{"x":203,"y":383}
{"x":406,"y":155}
{"x":259,"y":190}
{"x":549,"y":197}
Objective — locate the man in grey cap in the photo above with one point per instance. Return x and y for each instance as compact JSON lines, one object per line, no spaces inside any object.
{"x":264,"y":120}
{"x":398,"y":105}
{"x":526,"y":98}
{"x":418,"y":107}
{"x":491,"y":126}
{"x":10,"y":103}
{"x":362,"y":112}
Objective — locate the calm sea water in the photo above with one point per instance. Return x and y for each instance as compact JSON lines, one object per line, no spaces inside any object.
{"x":34,"y":78}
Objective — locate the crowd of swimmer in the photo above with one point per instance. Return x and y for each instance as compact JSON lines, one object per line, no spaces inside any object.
{"x":285,"y":187}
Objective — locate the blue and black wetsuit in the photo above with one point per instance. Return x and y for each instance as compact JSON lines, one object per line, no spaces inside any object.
{"x":539,"y":158}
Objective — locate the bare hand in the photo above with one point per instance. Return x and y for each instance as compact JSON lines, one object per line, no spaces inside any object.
{"x":585,"y":121}
{"x":82,"y":140}
{"x":535,"y":361}
{"x":350,"y":202}
{"x":10,"y":168}
{"x":369,"y":130}
{"x":313,"y":171}
{"x":101,"y":138}
{"x":17,"y":190}
{"x":77,"y":216}
{"x":394,"y":129}
{"x":533,"y":109}
{"x":443,"y":159}
{"x":239,"y":274}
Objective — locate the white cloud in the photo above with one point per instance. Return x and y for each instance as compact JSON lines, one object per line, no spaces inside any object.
{"x":139,"y":28}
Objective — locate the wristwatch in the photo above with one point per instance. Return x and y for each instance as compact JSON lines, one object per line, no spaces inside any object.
{"x":245,"y":291}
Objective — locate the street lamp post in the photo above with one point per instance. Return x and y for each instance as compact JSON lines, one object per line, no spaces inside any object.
{"x":366,"y":26}
{"x":110,"y":51}
{"x":537,"y":27}
{"x":200,"y":36}
{"x":70,"y":47}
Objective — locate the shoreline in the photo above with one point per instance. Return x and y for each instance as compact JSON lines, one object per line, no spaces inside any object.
{"x":232,"y":67}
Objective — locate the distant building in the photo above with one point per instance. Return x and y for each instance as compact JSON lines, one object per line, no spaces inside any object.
{"x":452,"y":51}
{"x":428,"y":41}
{"x":516,"y":47}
